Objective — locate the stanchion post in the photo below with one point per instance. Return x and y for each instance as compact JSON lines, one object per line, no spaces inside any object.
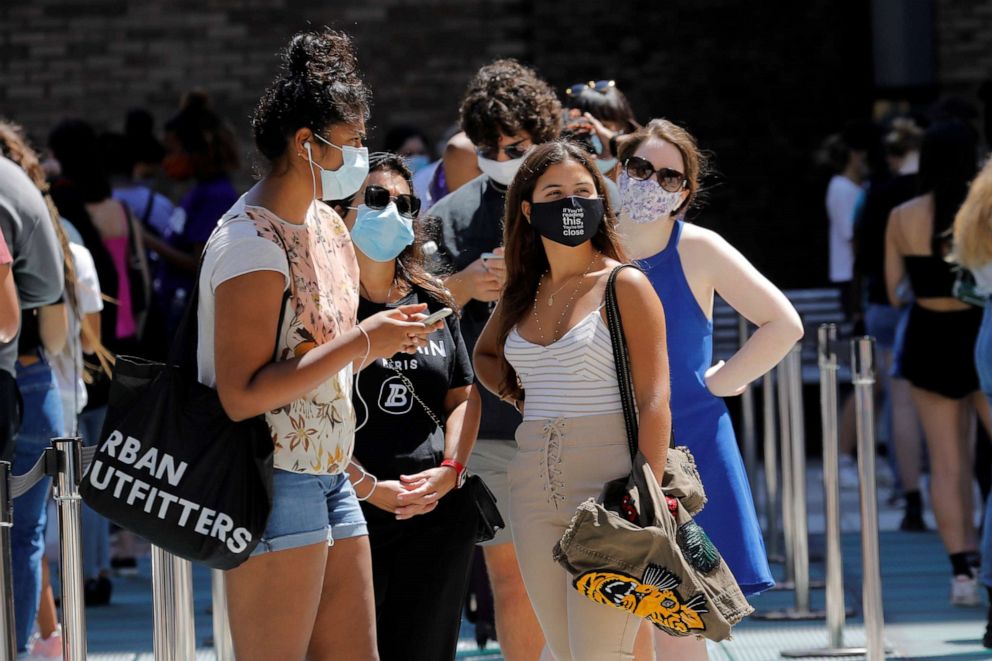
{"x":9,"y":646}
{"x":223,"y":645}
{"x":771,"y":468}
{"x":797,"y":433}
{"x":785,"y":447}
{"x":172,"y":597}
{"x":747,"y":418}
{"x":836,"y":609}
{"x":863,"y":369}
{"x":67,"y":477}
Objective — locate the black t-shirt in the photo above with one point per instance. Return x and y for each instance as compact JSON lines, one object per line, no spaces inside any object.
{"x":471,"y":223}
{"x":399,"y":437}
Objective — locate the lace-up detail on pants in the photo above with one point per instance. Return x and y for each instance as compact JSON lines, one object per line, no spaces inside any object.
{"x":550,"y":472}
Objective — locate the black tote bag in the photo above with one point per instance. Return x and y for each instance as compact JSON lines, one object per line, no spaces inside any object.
{"x":173,"y":467}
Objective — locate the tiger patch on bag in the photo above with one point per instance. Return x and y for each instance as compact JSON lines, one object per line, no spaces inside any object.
{"x":654,"y":598}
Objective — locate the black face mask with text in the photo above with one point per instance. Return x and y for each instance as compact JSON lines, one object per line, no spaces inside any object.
{"x":570,"y":221}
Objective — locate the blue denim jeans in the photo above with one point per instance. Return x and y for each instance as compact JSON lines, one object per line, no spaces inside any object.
{"x":983,"y":363}
{"x":96,"y":529}
{"x":41,"y":421}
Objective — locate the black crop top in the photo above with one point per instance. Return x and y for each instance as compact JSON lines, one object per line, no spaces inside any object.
{"x":930,"y":276}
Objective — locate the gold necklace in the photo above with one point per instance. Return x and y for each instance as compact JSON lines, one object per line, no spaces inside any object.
{"x":568,"y":304}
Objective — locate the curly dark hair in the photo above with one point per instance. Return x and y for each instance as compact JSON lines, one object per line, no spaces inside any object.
{"x":507,"y":97}
{"x":320,"y":85}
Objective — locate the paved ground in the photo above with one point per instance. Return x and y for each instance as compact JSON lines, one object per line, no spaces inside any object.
{"x":919,"y":622}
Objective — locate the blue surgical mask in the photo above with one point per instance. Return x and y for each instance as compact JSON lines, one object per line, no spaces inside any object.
{"x":605,"y":165}
{"x":381,"y":234}
{"x":347,"y":179}
{"x":417,"y":162}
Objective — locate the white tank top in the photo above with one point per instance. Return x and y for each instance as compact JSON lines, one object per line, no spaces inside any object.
{"x":572,"y":377}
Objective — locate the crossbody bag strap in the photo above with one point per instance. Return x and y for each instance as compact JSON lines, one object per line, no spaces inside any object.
{"x":621,"y":359}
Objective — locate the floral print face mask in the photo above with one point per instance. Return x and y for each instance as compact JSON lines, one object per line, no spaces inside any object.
{"x":646,"y":201}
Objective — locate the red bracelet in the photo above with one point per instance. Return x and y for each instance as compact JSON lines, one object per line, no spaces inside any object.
{"x":459,"y":471}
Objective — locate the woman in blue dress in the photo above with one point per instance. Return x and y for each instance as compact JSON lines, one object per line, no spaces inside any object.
{"x":658,"y":175}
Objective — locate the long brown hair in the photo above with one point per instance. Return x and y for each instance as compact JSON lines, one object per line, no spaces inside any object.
{"x":525,"y":258}
{"x":696,"y":161}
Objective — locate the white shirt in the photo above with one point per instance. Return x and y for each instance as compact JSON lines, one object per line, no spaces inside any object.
{"x":842,"y":199}
{"x":68,"y":363}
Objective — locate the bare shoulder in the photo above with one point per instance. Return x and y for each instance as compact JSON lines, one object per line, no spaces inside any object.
{"x":633,"y":286}
{"x":699,"y":242}
{"x":915,"y":210}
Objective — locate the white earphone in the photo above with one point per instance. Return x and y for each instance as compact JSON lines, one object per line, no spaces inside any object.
{"x":308,"y":148}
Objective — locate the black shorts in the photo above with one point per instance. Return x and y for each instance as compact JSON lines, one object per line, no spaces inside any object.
{"x":939,"y":351}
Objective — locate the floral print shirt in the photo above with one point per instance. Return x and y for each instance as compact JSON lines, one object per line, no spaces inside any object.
{"x":315,"y":433}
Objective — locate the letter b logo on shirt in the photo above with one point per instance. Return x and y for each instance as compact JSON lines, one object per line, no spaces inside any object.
{"x":394,"y":397}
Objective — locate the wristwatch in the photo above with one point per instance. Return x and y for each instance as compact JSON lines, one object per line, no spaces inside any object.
{"x":460,"y":473}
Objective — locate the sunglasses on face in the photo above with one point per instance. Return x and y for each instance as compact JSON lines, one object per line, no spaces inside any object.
{"x":513,"y":152}
{"x":600,"y":86}
{"x":377,"y":197}
{"x":638,"y":168}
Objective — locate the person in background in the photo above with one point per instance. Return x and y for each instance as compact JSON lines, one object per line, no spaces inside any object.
{"x":114,"y":239}
{"x":847,"y":160}
{"x":129,"y":160}
{"x":661,"y":172}
{"x":973,"y":251}
{"x":200,"y":147}
{"x":902,"y":146}
{"x":306,"y":591}
{"x":938,"y":349}
{"x":423,"y":417}
{"x":506,"y":111}
{"x":29,"y":221}
{"x":598,"y":108}
{"x":547,"y":352}
{"x":411,"y":144}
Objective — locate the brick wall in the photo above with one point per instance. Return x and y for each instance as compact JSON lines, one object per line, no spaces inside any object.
{"x":759,"y":83}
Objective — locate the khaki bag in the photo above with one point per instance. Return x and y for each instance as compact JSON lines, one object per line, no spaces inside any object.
{"x":637,"y":548}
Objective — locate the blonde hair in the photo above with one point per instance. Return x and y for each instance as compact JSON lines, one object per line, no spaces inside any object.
{"x":973,"y":223}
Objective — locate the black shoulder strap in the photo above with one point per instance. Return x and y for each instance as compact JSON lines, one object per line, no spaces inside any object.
{"x":621,"y":357}
{"x":183,"y":351}
{"x":148,"y":207}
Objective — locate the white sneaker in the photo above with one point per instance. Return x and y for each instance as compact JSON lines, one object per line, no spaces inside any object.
{"x":964,"y":592}
{"x":849,"y":472}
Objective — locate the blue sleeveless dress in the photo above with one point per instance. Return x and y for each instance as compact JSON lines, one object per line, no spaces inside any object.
{"x":701,"y":422}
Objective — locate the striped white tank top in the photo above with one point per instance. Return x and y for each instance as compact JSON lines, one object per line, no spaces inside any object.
{"x":572,"y":377}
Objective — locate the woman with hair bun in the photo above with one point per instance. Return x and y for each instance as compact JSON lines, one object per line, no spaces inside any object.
{"x":280,"y":271}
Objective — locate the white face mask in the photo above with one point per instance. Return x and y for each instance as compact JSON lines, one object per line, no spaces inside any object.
{"x":646,"y":201}
{"x":347,"y":179}
{"x":502,"y":172}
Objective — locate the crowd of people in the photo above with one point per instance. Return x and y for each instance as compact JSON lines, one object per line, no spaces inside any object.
{"x":335,"y":257}
{"x":909,"y":241}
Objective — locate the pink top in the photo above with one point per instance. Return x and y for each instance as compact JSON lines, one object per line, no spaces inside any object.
{"x":117,"y":247}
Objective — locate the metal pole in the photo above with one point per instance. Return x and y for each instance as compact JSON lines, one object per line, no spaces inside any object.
{"x":70,"y":471}
{"x":9,"y":648}
{"x":747,"y":419}
{"x":794,"y":489}
{"x":836,"y":610}
{"x":172,"y":598}
{"x":863,"y":368}
{"x":785,"y":446}
{"x":771,"y":468}
{"x":800,"y":534}
{"x":223,"y":645}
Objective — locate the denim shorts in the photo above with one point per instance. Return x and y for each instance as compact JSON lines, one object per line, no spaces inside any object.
{"x":310,"y":509}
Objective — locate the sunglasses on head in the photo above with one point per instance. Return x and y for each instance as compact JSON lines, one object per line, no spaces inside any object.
{"x":377,"y":197}
{"x":638,"y":168}
{"x":600,"y":86}
{"x":513,"y":152}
